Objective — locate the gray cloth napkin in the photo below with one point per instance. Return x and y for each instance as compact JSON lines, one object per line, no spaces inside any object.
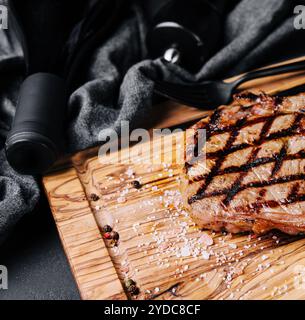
{"x":116,"y":86}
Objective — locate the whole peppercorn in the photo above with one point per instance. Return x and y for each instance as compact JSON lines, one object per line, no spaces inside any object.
{"x":113,"y":243}
{"x":129,"y":282}
{"x":114,"y":235}
{"x":133,"y":289}
{"x":107,"y":228}
{"x":137,"y":184}
{"x":107,"y":235}
{"x":94,"y":197}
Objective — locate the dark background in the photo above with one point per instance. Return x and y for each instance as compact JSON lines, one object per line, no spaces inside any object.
{"x":37,"y":266}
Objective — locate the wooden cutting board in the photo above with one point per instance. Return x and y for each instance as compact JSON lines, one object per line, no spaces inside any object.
{"x":159,"y":246}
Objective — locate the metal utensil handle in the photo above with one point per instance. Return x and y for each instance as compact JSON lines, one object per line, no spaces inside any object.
{"x":295,"y":66}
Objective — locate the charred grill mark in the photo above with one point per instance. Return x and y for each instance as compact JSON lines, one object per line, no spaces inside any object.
{"x":293,"y":130}
{"x":258,"y":120}
{"x":229,"y":148}
{"x":214,"y":171}
{"x":236,"y":185}
{"x":258,"y":184}
{"x":281,"y":156}
{"x":293,"y":177}
{"x":247,"y":123}
{"x":222,"y":153}
{"x":196,"y":144}
{"x":248,"y":166}
{"x":211,"y":126}
{"x":294,"y":192}
{"x":297,"y":121}
{"x":262,"y":193}
{"x":265,"y":129}
{"x":260,"y":161}
{"x":214,"y":119}
{"x":187,"y":167}
{"x":279,"y":159}
{"x":257,"y":206}
{"x":272,"y":136}
{"x":246,"y":96}
{"x":278,"y":101}
{"x":200,"y":193}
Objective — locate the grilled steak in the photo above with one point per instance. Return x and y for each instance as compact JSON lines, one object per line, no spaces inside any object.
{"x":250,"y":173}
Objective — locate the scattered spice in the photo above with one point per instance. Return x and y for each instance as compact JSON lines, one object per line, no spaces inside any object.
{"x":129,"y":282}
{"x":94,"y":197}
{"x":113,"y":243}
{"x":114,"y":235}
{"x":107,"y":235}
{"x":131,"y":287}
{"x":134,"y":290}
{"x":179,"y":240}
{"x":137,"y":184}
{"x":107,"y":228}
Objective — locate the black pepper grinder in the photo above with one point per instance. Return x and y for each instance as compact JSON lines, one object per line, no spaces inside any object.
{"x":36,"y":137}
{"x":185,"y":32}
{"x":55,"y":50}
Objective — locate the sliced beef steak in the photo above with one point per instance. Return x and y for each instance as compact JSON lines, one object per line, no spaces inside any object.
{"x":250,"y":174}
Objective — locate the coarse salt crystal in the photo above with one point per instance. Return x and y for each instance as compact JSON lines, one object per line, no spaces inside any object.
{"x":206,"y":239}
{"x":121,"y":200}
{"x":129,"y":172}
{"x":185,"y":251}
{"x":232,"y":245}
{"x":205,"y":255}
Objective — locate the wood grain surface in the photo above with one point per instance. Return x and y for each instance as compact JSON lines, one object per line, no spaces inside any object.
{"x":159,"y":247}
{"x":91,"y":265}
